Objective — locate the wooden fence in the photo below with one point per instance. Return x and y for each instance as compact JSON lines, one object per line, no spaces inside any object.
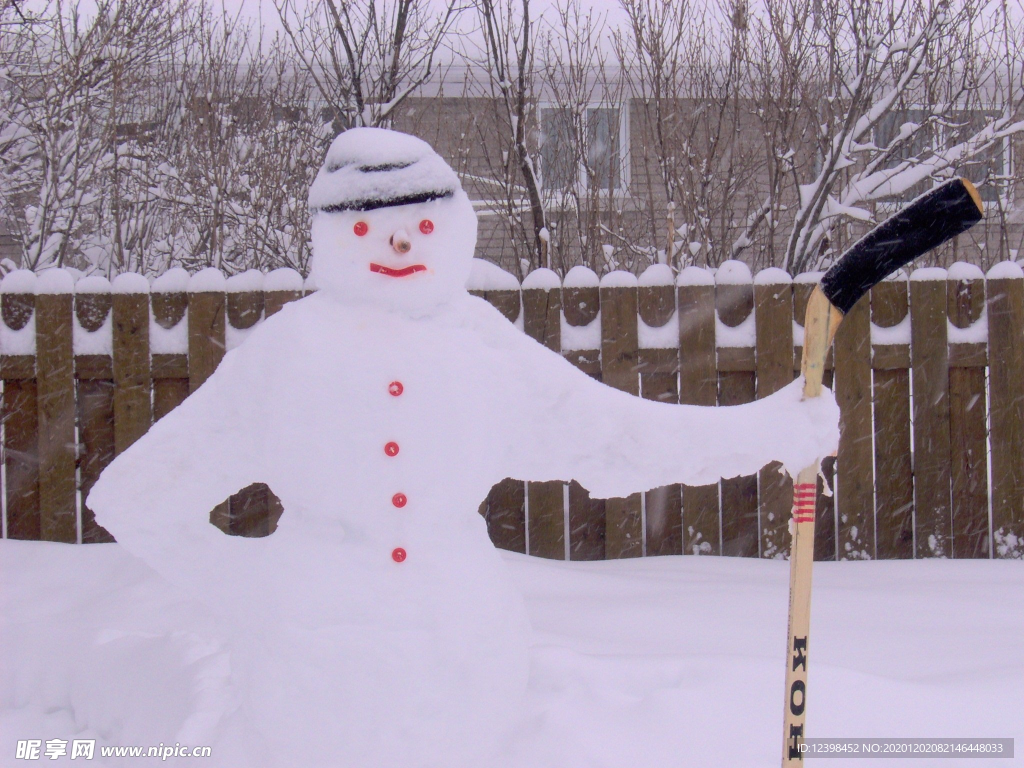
{"x":929,"y":374}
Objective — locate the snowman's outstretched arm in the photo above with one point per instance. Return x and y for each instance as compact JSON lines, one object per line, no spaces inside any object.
{"x":158,"y":494}
{"x":572,"y":427}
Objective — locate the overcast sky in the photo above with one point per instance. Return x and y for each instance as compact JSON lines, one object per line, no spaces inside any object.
{"x":264,"y":9}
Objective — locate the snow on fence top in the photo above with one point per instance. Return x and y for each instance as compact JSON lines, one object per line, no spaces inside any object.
{"x":172,"y":281}
{"x":209,"y":280}
{"x":772,"y":276}
{"x":1005,"y":270}
{"x":56,"y":281}
{"x":961,"y":270}
{"x":118,"y":355}
{"x":733,"y":272}
{"x":249,"y":281}
{"x":98,"y":284}
{"x":928,"y":273}
{"x":808,"y":277}
{"x":19,"y":281}
{"x":284,"y":279}
{"x":485,"y":276}
{"x":900,"y":275}
{"x":124,"y":283}
{"x":581,"y":277}
{"x":619,"y":279}
{"x":695,"y":276}
{"x":542,"y":279}
{"x":656,"y":274}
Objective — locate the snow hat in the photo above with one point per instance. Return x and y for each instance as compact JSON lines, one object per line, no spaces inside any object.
{"x":370,"y":168}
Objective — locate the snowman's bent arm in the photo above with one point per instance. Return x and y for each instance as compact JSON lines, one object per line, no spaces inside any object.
{"x":166,"y":484}
{"x":570,"y":427}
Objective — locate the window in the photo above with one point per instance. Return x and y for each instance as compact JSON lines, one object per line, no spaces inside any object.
{"x":986,"y":168}
{"x":604,"y":156}
{"x":557,"y":152}
{"x":916,"y":146}
{"x":582,"y":150}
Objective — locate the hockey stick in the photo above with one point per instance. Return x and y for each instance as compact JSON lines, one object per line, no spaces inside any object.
{"x":927,"y":222}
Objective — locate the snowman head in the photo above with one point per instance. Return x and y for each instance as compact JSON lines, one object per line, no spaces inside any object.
{"x":391,"y":223}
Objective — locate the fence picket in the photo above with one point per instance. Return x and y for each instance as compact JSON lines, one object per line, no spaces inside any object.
{"x":20,"y":416}
{"x":504,"y":509}
{"x":95,"y":403}
{"x":855,"y":486}
{"x":55,"y":379}
{"x":929,"y":354}
{"x":1005,"y":304}
{"x":698,"y":385}
{"x":206,"y":326}
{"x":169,"y":305}
{"x":206,"y":347}
{"x":281,"y":287}
{"x":773,"y":316}
{"x":619,"y":350}
{"x":542,"y":317}
{"x":581,"y":303}
{"x":659,"y":381}
{"x":96,"y":446}
{"x":894,"y":481}
{"x":131,"y":365}
{"x":734,"y":303}
{"x":967,"y":428}
{"x":21,"y":458}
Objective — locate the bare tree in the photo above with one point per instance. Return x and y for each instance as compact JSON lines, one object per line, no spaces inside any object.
{"x":241,"y":150}
{"x":777,"y":56}
{"x":508,"y":61}
{"x":62,"y":93}
{"x":871,"y":87}
{"x":151,"y":134}
{"x":366,"y":57}
{"x":584,"y":147}
{"x":686,"y":68}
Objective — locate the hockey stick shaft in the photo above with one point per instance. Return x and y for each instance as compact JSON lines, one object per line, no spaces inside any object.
{"x":927,"y":222}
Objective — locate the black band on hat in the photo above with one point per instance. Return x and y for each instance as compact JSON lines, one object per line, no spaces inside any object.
{"x":371,"y":204}
{"x":383,"y":167}
{"x":335,"y":167}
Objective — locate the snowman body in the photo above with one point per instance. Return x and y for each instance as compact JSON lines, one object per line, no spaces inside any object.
{"x":380,"y":433}
{"x":393,"y":430}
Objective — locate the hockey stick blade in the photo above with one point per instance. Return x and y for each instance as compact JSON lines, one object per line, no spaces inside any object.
{"x":927,"y":222}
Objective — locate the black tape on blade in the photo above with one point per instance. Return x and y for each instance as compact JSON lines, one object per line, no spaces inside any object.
{"x":926,"y":223}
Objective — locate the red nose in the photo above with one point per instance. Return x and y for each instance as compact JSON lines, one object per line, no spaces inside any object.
{"x":400,"y":242}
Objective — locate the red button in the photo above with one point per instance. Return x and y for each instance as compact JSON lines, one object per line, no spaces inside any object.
{"x":395,"y":388}
{"x":399,"y":500}
{"x":398,"y":554}
{"x":391,"y":449}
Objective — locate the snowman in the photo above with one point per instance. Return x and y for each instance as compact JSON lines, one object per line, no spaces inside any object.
{"x":378,"y":626}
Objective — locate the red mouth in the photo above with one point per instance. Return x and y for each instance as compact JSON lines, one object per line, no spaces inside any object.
{"x":404,"y":272}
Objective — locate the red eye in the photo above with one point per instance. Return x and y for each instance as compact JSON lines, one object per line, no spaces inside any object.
{"x":426,"y":226}
{"x":360,"y":228}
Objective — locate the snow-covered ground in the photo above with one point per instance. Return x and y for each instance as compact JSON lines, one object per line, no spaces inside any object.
{"x":656,"y":662}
